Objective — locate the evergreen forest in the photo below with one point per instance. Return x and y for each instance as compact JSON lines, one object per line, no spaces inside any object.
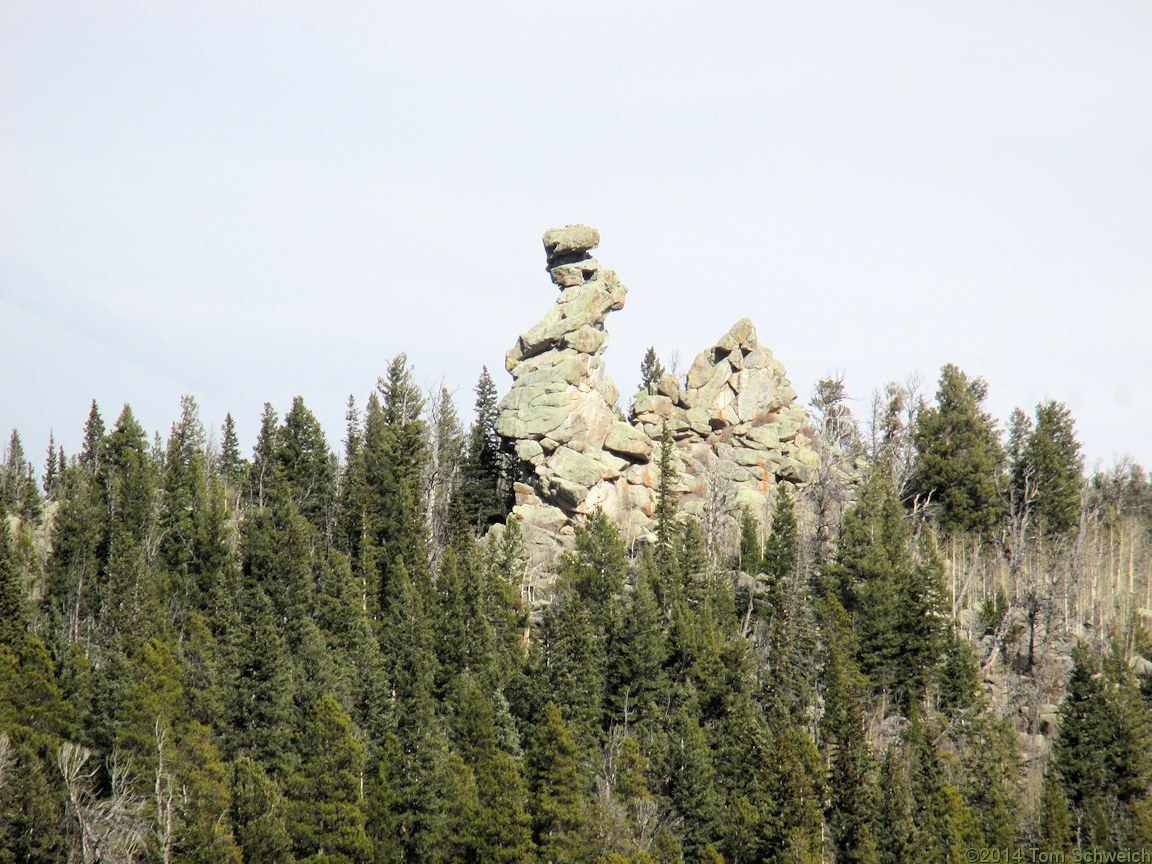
{"x":214,"y":652}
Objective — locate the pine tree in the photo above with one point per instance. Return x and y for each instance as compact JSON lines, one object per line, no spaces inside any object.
{"x":1085,"y":735}
{"x":691,"y":788}
{"x":130,"y":478}
{"x":326,"y":820}
{"x":462,"y":812}
{"x":203,"y":809}
{"x":264,"y":474}
{"x":444,"y":467}
{"x":851,"y":791}
{"x":505,"y":824}
{"x":666,"y":503}
{"x":395,"y":455}
{"x":278,"y":545}
{"x":894,"y":599}
{"x":948,"y":829}
{"x":483,"y":473}
{"x":92,"y":452}
{"x":559,"y":807}
{"x":795,"y":796}
{"x":574,"y":657}
{"x":597,"y":569}
{"x":258,"y":814}
{"x":52,"y":468}
{"x":960,"y":690}
{"x":782,"y":548}
{"x":304,"y":462}
{"x":131,"y":596}
{"x":416,"y":764}
{"x":987,"y":779}
{"x":958,"y":456}
{"x":896,"y":831}
{"x":231,"y":462}
{"x":30,"y":696}
{"x":260,"y":686}
{"x":636,"y":653}
{"x":31,"y":805}
{"x":1052,"y":461}
{"x":1055,"y":817}
{"x":651,"y":371}
{"x":751,"y":551}
{"x":14,"y":617}
{"x":18,"y":491}
{"x":787,"y":633}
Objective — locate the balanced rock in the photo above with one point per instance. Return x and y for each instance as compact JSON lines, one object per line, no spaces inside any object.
{"x":736,"y":427}
{"x":567,"y":251}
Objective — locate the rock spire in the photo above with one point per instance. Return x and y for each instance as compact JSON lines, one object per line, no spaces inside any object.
{"x":737,"y":426}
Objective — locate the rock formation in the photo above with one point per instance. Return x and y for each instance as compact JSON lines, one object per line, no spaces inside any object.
{"x":737,"y":428}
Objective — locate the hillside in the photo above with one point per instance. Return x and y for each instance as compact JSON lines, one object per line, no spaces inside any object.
{"x":706,"y":623}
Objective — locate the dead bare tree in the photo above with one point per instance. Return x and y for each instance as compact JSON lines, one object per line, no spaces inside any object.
{"x":891,"y":428}
{"x":442,"y":472}
{"x":109,"y":830}
{"x":720,"y":516}
{"x":839,"y":447}
{"x":162,"y":797}
{"x":5,"y":756}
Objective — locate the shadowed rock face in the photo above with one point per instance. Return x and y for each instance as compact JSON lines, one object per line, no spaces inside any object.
{"x":737,"y":428}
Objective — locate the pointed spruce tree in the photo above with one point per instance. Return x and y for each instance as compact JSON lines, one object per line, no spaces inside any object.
{"x":326,"y":819}
{"x":958,"y":456}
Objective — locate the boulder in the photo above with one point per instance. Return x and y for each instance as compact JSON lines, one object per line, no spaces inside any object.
{"x":571,"y":239}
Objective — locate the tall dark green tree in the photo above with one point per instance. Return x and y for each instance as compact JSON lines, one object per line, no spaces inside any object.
{"x":893,"y":597}
{"x":326,"y":819}
{"x":415,"y":764}
{"x":14,"y":617}
{"x":1051,"y":465}
{"x":573,"y":659}
{"x":305,"y":463}
{"x":18,"y":491}
{"x":129,"y":477}
{"x":258,"y":814}
{"x":503,"y":827}
{"x":959,"y":456}
{"x":897,"y":833}
{"x":231,"y":464}
{"x":666,"y":504}
{"x":1103,"y":750}
{"x":482,"y":496}
{"x":692,"y":785}
{"x":636,"y":652}
{"x":597,"y":569}
{"x":265,"y":472}
{"x":395,"y":455}
{"x":559,"y":807}
{"x":850,"y":813}
{"x":180,"y":482}
{"x":260,"y":692}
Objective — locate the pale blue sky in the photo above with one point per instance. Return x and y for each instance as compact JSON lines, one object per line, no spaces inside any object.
{"x":247,"y":201}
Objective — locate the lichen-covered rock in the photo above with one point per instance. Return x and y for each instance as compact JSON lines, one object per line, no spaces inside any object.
{"x":737,"y":430}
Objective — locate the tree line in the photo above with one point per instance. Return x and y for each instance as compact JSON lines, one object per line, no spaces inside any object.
{"x":300,"y":656}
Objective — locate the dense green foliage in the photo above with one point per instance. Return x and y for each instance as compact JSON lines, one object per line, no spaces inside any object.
{"x":300,"y":658}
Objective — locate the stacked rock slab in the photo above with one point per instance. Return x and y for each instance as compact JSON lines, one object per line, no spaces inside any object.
{"x":736,"y":426}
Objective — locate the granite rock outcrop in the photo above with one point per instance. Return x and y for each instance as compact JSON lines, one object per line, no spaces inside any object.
{"x":736,"y":427}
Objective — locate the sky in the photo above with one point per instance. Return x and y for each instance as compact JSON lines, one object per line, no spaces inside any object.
{"x":250,"y":201}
